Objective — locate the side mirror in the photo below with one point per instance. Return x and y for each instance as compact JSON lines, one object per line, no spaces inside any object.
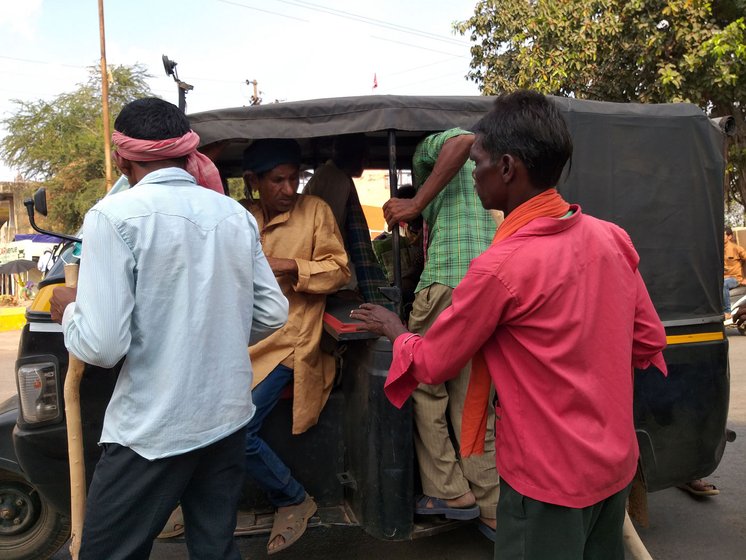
{"x":40,"y":201}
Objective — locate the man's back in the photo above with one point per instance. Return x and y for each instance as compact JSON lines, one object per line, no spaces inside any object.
{"x":179,"y":260}
{"x":458,"y":227}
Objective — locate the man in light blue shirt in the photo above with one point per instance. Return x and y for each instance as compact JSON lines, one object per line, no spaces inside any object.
{"x":173,"y":277}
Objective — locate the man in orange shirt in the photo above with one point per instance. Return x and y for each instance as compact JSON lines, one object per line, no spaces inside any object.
{"x":735,"y":256}
{"x":304,"y":249}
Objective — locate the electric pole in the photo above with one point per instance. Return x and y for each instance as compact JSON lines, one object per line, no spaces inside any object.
{"x":105,"y":96}
{"x":255,"y":99}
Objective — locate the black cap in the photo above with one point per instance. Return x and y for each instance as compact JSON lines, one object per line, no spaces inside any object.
{"x":264,"y":155}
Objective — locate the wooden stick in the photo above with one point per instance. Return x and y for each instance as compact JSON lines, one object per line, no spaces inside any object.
{"x":632,"y":541}
{"x":75,"y":435}
{"x":637,"y":506}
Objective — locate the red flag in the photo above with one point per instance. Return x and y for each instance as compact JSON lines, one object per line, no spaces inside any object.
{"x":375,"y":81}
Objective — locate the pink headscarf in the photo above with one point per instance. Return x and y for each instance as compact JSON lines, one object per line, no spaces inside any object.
{"x":198,"y":165}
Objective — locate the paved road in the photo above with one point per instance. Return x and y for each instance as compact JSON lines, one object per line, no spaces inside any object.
{"x":681,"y":527}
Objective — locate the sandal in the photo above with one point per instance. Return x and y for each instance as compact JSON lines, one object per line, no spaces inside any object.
{"x":699,"y":487}
{"x":174,"y":526}
{"x":486,"y":530}
{"x":290,"y":523}
{"x":440,"y":507}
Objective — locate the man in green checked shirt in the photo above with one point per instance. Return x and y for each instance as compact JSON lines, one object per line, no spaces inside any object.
{"x":458,"y":229}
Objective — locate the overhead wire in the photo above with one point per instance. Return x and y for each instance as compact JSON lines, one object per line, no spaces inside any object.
{"x":416,"y":46}
{"x":262,"y":10}
{"x":41,"y":62}
{"x":371,"y":21}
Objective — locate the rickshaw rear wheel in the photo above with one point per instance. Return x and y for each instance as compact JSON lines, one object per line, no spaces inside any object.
{"x":30,"y":529}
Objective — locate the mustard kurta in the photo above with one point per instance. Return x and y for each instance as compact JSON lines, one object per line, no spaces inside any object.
{"x":308,"y":234}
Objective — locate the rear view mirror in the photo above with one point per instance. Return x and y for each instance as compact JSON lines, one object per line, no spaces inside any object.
{"x":40,"y":201}
{"x":39,"y":204}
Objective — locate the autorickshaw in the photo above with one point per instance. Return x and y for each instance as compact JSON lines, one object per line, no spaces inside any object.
{"x":656,"y":170}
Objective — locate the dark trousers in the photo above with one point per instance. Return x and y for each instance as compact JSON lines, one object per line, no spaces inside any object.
{"x":531,"y":530}
{"x":131,"y":498}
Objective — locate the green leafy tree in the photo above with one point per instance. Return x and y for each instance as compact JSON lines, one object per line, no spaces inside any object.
{"x":60,"y":142}
{"x":651,"y":51}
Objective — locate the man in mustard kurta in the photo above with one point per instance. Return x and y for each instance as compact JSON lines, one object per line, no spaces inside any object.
{"x":304,"y":248}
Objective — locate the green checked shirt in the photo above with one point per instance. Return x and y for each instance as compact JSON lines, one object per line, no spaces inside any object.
{"x":458,"y":228}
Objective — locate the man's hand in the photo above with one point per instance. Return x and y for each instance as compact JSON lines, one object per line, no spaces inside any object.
{"x":283,"y":266}
{"x":397,"y":210}
{"x":61,"y":298}
{"x":379,"y":320}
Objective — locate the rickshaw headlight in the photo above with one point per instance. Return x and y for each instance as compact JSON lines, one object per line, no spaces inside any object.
{"x":38,"y":392}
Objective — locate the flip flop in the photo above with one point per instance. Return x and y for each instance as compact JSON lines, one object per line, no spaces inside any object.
{"x":699,"y":488}
{"x":290,"y":523}
{"x":440,"y":507}
{"x":486,"y":530}
{"x":174,"y":526}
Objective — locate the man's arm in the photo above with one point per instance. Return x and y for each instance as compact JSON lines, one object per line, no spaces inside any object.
{"x":742,"y":258}
{"x":97,"y":325}
{"x":452,"y":157}
{"x":270,"y":311}
{"x":444,"y":350}
{"x":327,"y":270}
{"x":649,"y":337}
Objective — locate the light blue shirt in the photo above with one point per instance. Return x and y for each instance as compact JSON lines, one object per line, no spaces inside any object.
{"x":173,"y":276}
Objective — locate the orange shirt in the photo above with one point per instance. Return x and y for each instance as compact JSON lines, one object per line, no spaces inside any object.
{"x":307,"y":233}
{"x":734,"y":256}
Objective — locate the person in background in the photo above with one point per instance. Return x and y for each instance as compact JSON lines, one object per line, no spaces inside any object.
{"x":568,"y":318}
{"x":305,"y":251}
{"x":734,"y":257}
{"x":457,"y":482}
{"x":172,"y":279}
{"x":333,"y":182}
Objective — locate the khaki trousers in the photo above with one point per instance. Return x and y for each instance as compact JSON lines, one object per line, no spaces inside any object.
{"x":444,"y":473}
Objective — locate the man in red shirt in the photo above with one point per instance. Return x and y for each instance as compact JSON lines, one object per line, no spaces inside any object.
{"x":557,"y":310}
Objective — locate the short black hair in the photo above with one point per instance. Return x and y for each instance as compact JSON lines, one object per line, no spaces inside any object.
{"x":728,"y":230}
{"x":151,"y":118}
{"x":528,"y":126}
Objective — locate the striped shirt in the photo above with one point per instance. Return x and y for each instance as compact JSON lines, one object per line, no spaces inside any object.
{"x":459,"y":228}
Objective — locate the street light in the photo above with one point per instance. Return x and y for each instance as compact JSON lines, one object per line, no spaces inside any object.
{"x":170,"y":67}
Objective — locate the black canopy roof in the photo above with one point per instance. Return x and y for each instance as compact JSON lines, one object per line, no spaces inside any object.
{"x":656,"y":170}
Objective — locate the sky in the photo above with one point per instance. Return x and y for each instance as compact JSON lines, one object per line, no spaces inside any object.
{"x":295,"y":49}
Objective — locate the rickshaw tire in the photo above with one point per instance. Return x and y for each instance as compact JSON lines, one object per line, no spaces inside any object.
{"x":30,"y":528}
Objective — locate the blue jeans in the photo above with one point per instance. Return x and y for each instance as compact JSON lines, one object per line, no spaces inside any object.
{"x":262,"y":464}
{"x":728,"y":284}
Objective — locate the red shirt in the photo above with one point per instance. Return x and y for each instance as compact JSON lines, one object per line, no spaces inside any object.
{"x":562,"y":315}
